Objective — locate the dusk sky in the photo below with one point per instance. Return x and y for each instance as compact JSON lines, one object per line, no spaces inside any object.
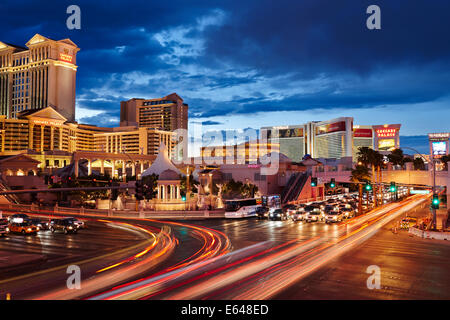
{"x":248,"y":63}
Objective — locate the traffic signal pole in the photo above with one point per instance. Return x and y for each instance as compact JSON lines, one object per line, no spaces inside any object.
{"x":433,"y":210}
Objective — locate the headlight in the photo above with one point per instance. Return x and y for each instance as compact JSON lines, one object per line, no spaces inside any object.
{"x":70,"y":227}
{"x":7,"y":229}
{"x":278,"y":215}
{"x":29,"y":229}
{"x":37,"y":229}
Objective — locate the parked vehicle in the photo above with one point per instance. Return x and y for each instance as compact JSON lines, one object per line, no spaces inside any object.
{"x":4,"y":227}
{"x":23,"y":228}
{"x":67,"y":226}
{"x":278,"y":214}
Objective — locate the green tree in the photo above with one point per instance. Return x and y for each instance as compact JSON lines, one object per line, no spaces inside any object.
{"x":419,"y":164}
{"x":396,"y":157}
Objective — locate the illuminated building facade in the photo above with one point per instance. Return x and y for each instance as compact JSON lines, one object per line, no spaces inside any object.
{"x":332,"y":139}
{"x":168,"y":113}
{"x":247,"y":152}
{"x":47,"y":136}
{"x":39,"y":75}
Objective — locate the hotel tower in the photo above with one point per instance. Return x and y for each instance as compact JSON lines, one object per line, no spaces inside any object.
{"x":39,"y":75}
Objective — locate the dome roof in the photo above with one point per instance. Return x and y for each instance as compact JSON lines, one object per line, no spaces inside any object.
{"x":169,"y":175}
{"x":161,"y":163}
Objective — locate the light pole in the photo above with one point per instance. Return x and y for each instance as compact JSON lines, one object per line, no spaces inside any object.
{"x":433,"y":211}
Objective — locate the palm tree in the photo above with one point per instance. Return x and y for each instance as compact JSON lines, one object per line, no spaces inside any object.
{"x":377,"y":163}
{"x":396,"y":157}
{"x":367,"y":156}
{"x":360,"y":175}
{"x":419,"y":164}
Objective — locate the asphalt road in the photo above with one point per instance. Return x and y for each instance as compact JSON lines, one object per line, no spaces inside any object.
{"x":411,"y":268}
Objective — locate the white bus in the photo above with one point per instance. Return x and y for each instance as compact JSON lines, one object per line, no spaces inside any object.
{"x":241,"y":208}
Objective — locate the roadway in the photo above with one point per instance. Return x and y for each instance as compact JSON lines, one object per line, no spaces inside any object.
{"x":246,"y":259}
{"x":267,"y":258}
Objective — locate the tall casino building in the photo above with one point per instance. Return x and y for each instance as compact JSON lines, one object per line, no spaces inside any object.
{"x":41,"y":74}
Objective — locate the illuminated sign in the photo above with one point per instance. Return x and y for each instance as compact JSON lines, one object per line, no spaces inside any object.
{"x":439,"y":148}
{"x":439,"y":136}
{"x":47,"y":123}
{"x":65,"y":57}
{"x":413,"y":191}
{"x":362,"y":133}
{"x":332,"y":127}
{"x":386,"y":144}
{"x":386,"y":133}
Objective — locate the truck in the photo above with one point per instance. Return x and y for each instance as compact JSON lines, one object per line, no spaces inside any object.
{"x":4,"y":227}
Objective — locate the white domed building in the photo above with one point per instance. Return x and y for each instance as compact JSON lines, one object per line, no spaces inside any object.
{"x":168,"y":183}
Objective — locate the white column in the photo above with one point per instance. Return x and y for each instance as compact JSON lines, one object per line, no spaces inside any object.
{"x":133,"y":169}
{"x":102,"y":166}
{"x":89,"y":167}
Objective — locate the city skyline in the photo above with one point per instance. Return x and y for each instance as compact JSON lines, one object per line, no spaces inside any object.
{"x":280,"y":78}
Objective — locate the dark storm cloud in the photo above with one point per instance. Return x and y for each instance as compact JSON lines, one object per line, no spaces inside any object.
{"x":239,"y":57}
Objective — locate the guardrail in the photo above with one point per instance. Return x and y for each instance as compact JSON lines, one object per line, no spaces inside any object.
{"x":429,"y":234}
{"x":199,"y":214}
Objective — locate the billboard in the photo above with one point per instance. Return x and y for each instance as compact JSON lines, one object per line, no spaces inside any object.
{"x":386,"y":144}
{"x":439,"y":148}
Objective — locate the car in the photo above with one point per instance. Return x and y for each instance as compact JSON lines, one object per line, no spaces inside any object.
{"x":348,"y":212}
{"x":67,"y":226}
{"x":334,"y":216}
{"x":299,"y":215}
{"x":313,"y":216}
{"x":278,"y":214}
{"x":80,"y":224}
{"x":18,"y":218}
{"x":4,"y":227}
{"x":43,"y":225}
{"x":23,"y":227}
{"x":328,"y":208}
{"x":262,"y":212}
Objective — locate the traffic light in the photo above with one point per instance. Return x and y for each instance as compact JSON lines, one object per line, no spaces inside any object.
{"x":435,"y":202}
{"x":332,"y":183}
{"x":313,"y":182}
{"x":368,"y":187}
{"x":139,"y":190}
{"x":393,"y":187}
{"x":183,"y":198}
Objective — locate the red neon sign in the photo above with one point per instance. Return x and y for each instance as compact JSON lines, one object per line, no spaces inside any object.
{"x":65,"y":57}
{"x":386,"y":133}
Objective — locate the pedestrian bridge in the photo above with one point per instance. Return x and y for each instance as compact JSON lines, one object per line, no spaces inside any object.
{"x":402,"y":176}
